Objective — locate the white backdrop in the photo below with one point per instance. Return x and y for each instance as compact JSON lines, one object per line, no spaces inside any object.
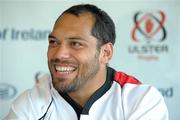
{"x":147,"y":44}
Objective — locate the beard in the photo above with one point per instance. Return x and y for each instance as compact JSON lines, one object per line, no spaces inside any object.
{"x":86,"y":71}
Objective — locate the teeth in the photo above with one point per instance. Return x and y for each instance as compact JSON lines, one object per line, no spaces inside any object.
{"x":64,"y":69}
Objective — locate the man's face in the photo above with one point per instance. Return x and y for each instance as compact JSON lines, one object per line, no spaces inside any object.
{"x":73,"y":58}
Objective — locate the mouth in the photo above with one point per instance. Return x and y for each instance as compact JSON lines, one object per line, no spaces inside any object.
{"x":64,"y":69}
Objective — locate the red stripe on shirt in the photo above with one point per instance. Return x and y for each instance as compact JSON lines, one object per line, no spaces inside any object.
{"x":123,"y":78}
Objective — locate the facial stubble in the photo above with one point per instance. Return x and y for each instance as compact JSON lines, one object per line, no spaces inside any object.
{"x":86,"y":72}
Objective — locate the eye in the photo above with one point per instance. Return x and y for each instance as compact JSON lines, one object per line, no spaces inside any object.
{"x":76,"y":44}
{"x":53,"y":42}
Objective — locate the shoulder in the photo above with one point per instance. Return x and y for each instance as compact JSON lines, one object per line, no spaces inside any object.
{"x":32,"y":102}
{"x":133,"y":88}
{"x":143,"y":101}
{"x":19,"y":107}
{"x":123,"y":78}
{"x":140,"y":99}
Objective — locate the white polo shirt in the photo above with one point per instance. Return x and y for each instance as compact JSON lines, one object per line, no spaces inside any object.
{"x":122,"y":97}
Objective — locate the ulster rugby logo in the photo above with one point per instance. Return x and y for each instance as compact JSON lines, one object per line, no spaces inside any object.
{"x":149,"y":35}
{"x":149,"y":26}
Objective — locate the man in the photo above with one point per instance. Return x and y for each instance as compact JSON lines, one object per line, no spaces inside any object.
{"x":83,"y":87}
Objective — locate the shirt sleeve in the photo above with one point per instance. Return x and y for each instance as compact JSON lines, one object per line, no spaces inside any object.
{"x":33,"y":103}
{"x":21,"y":108}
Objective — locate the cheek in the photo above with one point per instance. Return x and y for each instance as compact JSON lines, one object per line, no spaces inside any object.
{"x":88,"y":62}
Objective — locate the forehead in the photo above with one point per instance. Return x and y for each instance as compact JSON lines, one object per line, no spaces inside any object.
{"x":71,"y":21}
{"x":70,"y":26}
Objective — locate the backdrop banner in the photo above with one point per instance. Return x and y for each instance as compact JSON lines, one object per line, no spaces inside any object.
{"x":147,"y":44}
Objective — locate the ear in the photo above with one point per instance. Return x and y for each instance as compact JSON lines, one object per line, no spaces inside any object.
{"x":106,"y":53}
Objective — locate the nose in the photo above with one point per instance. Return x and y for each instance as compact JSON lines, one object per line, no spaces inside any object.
{"x":62,"y":52}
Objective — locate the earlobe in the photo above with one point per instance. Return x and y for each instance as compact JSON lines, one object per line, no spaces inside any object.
{"x":106,"y":52}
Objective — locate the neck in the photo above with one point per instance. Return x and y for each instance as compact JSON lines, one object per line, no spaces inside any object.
{"x":82,"y":95}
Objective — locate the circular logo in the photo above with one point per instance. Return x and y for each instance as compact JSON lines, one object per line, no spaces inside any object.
{"x":7,"y":91}
{"x":149,"y":25}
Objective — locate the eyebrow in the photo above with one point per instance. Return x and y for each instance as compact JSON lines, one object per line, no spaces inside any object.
{"x":51,"y":36}
{"x":76,"y":38}
{"x":70,"y":38}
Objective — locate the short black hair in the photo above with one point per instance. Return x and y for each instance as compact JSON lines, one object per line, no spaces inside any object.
{"x":103,"y":29}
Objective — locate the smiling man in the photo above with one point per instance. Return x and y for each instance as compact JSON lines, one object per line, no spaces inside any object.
{"x":82,"y":85}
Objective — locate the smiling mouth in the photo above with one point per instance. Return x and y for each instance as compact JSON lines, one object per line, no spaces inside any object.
{"x":64,"y":69}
